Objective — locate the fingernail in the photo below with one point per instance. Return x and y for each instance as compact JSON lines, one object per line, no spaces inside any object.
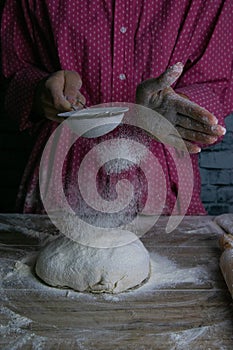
{"x":72,"y":100}
{"x":178,"y":67}
{"x":196,"y":150}
{"x":180,"y":64}
{"x":213,"y":139}
{"x":81,"y":103}
{"x":224,"y":130}
{"x":219,"y":128}
{"x":214,"y":120}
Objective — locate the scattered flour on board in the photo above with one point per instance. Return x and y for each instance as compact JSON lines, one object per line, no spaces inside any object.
{"x":190,"y":338}
{"x":18,"y":274}
{"x":20,"y":327}
{"x":165,"y":273}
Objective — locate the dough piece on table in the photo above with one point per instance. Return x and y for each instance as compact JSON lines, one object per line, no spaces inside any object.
{"x":226,"y":242}
{"x":225,"y":221}
{"x":226,"y":260}
{"x":226,"y":265}
{"x":66,"y":263}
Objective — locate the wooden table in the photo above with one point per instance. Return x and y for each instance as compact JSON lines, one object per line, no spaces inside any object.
{"x":185,"y":304}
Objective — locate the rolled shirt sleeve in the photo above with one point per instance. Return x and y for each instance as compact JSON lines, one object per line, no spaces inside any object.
{"x":24,"y":59}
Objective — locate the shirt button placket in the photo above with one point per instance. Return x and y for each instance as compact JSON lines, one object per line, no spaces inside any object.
{"x":119,"y":86}
{"x":122,"y":76}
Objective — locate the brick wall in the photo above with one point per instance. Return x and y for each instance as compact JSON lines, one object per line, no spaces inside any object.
{"x":216,"y":167}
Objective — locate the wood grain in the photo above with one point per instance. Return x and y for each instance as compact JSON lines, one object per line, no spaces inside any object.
{"x":188,"y":314}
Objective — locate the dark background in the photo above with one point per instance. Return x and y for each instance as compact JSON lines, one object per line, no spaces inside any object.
{"x":14,"y":151}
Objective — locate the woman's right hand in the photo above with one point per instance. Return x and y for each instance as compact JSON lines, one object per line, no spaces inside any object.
{"x":58,"y":93}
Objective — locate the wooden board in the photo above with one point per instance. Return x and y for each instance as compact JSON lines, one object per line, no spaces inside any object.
{"x":185,"y":304}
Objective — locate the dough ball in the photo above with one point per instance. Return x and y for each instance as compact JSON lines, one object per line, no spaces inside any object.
{"x":66,"y":263}
{"x":225,"y":221}
{"x":226,"y":265}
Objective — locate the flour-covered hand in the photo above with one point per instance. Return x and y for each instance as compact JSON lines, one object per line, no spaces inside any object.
{"x":194,"y":123}
{"x":58,"y":93}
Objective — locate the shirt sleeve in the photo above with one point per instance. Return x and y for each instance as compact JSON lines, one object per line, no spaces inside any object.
{"x":208,"y":78}
{"x":22,"y":66}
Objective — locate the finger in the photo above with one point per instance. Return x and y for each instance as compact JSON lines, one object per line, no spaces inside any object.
{"x":49,"y":107}
{"x":196,"y":136}
{"x":169,"y":77}
{"x":191,"y":109}
{"x":192,"y":124}
{"x":55,"y":119}
{"x":192,"y":148}
{"x":55,"y":86}
{"x":80,"y":101}
{"x":148,"y":92}
{"x":52,"y":115}
{"x":72,"y":85}
{"x":180,"y":144}
{"x":176,"y":141}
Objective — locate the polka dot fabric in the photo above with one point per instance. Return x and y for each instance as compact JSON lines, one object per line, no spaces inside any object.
{"x":114,"y":45}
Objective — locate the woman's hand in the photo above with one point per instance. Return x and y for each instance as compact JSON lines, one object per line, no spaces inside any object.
{"x":193,"y":122}
{"x":58,"y":93}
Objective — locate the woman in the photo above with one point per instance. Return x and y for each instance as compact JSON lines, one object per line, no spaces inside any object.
{"x":59,"y":54}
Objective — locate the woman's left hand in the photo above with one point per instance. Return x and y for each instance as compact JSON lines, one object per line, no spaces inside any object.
{"x":193,"y":122}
